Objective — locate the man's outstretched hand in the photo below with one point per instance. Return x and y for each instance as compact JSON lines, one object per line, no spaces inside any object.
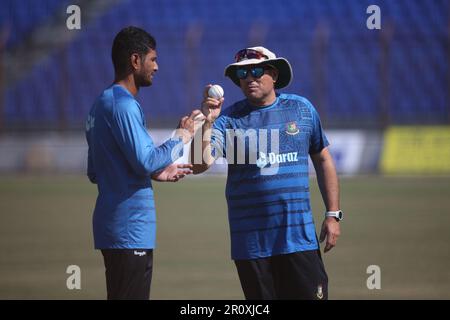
{"x":173,"y":173}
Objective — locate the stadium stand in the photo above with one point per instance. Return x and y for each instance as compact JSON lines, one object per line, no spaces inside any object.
{"x":356,"y":77}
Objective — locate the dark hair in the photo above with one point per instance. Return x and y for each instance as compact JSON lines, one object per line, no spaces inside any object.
{"x":128,"y":41}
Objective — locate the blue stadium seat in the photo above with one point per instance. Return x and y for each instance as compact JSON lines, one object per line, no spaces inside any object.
{"x":417,"y":62}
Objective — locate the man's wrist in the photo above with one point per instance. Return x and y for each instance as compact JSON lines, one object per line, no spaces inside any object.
{"x":184,"y":135}
{"x":208,"y":124}
{"x":207,"y":130}
{"x":186,"y":138}
{"x":338,"y":215}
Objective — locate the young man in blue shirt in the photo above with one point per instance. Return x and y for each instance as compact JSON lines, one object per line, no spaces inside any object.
{"x":267,"y":139}
{"x":122,"y":160}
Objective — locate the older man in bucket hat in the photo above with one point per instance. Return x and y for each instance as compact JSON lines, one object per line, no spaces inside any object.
{"x":273,"y":239}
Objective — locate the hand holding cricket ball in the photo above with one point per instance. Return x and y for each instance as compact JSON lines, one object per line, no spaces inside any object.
{"x":215,"y":92}
{"x":212,"y":103}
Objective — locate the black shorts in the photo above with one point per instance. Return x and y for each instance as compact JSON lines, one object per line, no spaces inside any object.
{"x":299,"y":275}
{"x":128,"y":273}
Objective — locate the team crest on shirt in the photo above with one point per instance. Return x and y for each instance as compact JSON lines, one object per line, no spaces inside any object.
{"x":319,"y":293}
{"x":291,"y":128}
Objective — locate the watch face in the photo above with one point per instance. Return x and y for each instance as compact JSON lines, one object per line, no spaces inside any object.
{"x":340,"y":214}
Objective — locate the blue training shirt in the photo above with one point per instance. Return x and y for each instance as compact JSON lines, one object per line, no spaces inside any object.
{"x":267,"y":188}
{"x":121,"y":158}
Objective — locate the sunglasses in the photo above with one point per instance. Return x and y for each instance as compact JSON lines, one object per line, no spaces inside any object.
{"x":246,"y":54}
{"x":256,"y":72}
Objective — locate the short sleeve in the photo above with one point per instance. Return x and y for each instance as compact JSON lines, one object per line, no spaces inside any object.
{"x":318,"y":139}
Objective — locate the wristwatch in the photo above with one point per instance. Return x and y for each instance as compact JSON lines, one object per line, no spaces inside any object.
{"x":338,"y":215}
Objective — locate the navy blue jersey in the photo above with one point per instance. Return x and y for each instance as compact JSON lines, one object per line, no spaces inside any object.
{"x":267,"y":191}
{"x":121,"y":158}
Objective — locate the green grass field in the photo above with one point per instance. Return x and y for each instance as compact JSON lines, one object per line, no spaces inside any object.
{"x":400,"y":224}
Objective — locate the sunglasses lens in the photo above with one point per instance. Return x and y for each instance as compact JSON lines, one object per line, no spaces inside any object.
{"x":241,"y":73}
{"x":257,"y":72}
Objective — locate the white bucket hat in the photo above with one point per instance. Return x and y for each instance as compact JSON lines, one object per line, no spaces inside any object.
{"x":260,"y":55}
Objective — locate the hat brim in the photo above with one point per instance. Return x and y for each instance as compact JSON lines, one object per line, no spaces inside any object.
{"x":281,"y":64}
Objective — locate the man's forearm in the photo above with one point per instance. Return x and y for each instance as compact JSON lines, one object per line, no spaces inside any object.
{"x":328,"y":180}
{"x":202,"y":160}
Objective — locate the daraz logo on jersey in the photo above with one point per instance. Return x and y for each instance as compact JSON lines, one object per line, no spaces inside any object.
{"x":273,"y":158}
